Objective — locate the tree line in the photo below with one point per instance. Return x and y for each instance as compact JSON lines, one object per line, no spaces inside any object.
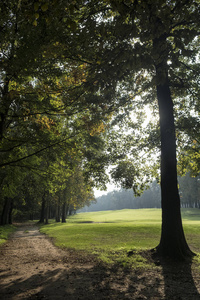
{"x":124,"y":199}
{"x":51,"y":156}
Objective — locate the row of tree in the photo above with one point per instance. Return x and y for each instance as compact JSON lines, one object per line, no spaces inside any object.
{"x":124,"y":199}
{"x":49,"y":151}
{"x":190,"y":191}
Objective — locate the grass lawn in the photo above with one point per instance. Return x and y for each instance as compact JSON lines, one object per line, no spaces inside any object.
{"x":5,"y":231}
{"x":112,"y":234}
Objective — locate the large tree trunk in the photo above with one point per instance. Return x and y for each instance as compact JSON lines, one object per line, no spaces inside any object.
{"x":172,"y":243}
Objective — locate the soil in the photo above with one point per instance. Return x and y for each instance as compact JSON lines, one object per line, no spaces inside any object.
{"x":31,"y":267}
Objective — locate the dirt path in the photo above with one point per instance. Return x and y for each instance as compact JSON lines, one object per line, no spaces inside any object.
{"x":32,"y":268}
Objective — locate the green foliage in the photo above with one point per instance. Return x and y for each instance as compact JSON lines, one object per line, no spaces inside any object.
{"x":5,"y":232}
{"x":43,"y":128}
{"x":129,"y":40}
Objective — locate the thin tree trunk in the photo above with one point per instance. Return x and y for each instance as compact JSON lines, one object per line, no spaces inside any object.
{"x":64,"y":213}
{"x":67,"y":209}
{"x":10,"y":212}
{"x":42,"y":214}
{"x":58,"y":210}
{"x":47,"y":211}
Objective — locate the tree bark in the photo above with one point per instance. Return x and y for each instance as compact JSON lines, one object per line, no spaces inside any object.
{"x":67,"y":209}
{"x":58,"y":210}
{"x":10,"y":212}
{"x":64,"y":213}
{"x":47,"y":211}
{"x":6,"y":103}
{"x":172,"y":243}
{"x":5,"y":212}
{"x":42,"y":214}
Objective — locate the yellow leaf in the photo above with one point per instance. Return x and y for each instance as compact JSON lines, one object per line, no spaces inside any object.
{"x":35,"y":23}
{"x":37,"y":15}
{"x":36,"y":6}
{"x":44,"y":7}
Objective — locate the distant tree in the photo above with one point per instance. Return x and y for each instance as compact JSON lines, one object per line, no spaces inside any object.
{"x":125,"y":199}
{"x":76,"y":194}
{"x":190,"y":191}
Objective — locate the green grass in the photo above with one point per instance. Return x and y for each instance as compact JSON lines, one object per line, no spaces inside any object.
{"x":191,"y":224}
{"x":112,"y":234}
{"x":5,"y":231}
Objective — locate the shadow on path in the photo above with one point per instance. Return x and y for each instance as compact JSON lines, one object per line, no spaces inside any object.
{"x":32,"y":268}
{"x":100,"y":283}
{"x":184,"y":287}
{"x":178,"y":281}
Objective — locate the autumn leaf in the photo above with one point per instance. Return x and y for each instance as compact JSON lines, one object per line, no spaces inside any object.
{"x":45,"y":6}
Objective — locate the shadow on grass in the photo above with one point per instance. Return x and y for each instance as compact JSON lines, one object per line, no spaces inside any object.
{"x":92,"y":222}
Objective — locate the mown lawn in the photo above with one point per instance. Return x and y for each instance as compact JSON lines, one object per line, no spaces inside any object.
{"x":112,"y":234}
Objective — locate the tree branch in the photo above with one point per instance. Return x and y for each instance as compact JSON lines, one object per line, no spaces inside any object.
{"x":35,"y":153}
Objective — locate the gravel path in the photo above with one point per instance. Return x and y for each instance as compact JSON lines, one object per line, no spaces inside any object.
{"x":31,"y":267}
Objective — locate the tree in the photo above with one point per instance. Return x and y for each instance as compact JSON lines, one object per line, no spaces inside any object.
{"x":11,"y":181}
{"x":39,"y":111}
{"x":76,"y":192}
{"x":146,"y":48}
{"x":35,"y":87}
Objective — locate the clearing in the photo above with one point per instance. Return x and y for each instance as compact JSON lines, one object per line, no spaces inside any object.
{"x":31,"y":267}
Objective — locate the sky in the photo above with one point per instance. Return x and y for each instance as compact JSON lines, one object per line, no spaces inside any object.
{"x":112,"y":186}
